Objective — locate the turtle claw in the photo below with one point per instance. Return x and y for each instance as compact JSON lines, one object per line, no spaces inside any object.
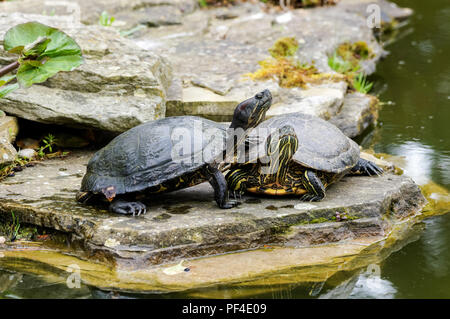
{"x":229,"y":204}
{"x":128,"y":208}
{"x":311,"y":198}
{"x":372,"y":169}
{"x":368,"y":168}
{"x":237,"y":195}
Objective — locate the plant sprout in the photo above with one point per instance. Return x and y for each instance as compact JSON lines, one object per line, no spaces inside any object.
{"x":106,"y":20}
{"x":361,"y":84}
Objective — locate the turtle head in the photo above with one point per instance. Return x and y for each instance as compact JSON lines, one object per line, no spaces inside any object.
{"x":251,"y":112}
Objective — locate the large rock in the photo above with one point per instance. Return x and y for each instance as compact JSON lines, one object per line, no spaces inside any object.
{"x":119,"y":85}
{"x":9,"y":129}
{"x":152,"y":12}
{"x":188,"y":223}
{"x":269,"y":271}
{"x":357,"y":113}
{"x":7,"y":151}
{"x":212,"y":50}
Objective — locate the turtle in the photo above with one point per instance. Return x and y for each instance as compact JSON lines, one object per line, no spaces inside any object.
{"x":166,"y":155}
{"x":296,"y":154}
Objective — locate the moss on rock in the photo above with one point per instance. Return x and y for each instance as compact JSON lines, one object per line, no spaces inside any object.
{"x":284,"y":47}
{"x":354,"y":52}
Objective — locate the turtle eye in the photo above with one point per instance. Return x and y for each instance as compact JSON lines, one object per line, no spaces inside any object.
{"x":259,"y":95}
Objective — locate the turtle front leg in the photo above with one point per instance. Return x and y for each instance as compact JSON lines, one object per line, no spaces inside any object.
{"x":366,"y":168}
{"x":127,"y":208}
{"x":218,"y":182}
{"x":315,"y":190}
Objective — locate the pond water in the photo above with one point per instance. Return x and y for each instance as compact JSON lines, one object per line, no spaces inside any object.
{"x":414,"y":80}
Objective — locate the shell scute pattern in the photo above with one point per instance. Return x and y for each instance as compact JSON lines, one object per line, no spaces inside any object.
{"x":322,"y":146}
{"x":142,"y":156}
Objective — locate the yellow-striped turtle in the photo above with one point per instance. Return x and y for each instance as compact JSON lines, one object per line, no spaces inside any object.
{"x":296,"y":154}
{"x":169,"y":154}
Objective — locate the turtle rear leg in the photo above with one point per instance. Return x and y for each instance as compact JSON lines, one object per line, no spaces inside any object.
{"x":315,"y":190}
{"x":366,"y":168}
{"x":127,"y":208}
{"x":237,"y":180}
{"x":218,"y":182}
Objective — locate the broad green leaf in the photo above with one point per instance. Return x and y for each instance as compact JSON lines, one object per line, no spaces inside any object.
{"x":8,"y":89}
{"x":29,"y":73}
{"x":36,"y":48}
{"x":26,"y":33}
{"x":52,"y":51}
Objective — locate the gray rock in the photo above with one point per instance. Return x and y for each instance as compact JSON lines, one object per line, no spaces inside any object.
{"x":357,"y":113}
{"x":388,"y":10}
{"x":119,"y":85}
{"x":154,"y":16}
{"x":188,"y":223}
{"x":7,"y":151}
{"x":9,"y":127}
{"x":90,"y":11}
{"x":84,"y":109}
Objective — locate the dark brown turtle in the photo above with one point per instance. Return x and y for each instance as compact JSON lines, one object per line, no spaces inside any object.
{"x":141,"y":160}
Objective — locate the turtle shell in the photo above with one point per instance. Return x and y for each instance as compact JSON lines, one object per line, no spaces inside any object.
{"x":321,"y":145}
{"x":154,"y":152}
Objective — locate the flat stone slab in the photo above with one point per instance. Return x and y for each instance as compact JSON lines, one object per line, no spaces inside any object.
{"x":187,"y":223}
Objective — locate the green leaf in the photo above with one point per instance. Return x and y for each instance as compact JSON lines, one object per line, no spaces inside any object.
{"x":16,"y":50}
{"x":6,"y":78}
{"x":26,"y":33}
{"x":36,"y":48}
{"x":8,"y":89}
{"x":29,"y":73}
{"x":105,"y":20}
{"x":51,"y":51}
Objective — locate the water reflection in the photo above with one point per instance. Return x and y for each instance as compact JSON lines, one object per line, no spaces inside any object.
{"x":365,"y":284}
{"x":14,"y":285}
{"x":419,"y":160}
{"x":373,"y":286}
{"x":435,"y":248}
